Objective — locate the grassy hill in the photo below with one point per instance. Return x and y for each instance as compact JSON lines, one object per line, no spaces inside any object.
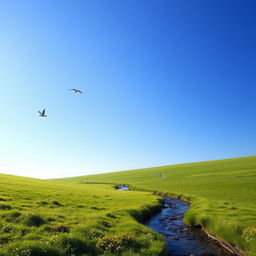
{"x":223,"y":194}
{"x":49,"y":218}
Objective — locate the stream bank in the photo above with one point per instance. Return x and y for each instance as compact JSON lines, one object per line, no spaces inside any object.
{"x":182,"y":240}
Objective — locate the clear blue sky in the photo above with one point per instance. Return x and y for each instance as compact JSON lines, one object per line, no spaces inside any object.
{"x":167,"y":82}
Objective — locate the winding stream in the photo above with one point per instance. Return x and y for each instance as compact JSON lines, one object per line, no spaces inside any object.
{"x":180,"y":239}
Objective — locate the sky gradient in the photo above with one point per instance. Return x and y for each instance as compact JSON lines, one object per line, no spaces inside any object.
{"x":167,"y":82}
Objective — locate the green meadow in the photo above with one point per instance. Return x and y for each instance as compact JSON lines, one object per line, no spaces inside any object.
{"x":222,"y":194}
{"x":75,"y":216}
{"x":50,"y":218}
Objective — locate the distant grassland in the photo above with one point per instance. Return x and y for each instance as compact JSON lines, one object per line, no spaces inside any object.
{"x":223,"y":194}
{"x":49,"y":218}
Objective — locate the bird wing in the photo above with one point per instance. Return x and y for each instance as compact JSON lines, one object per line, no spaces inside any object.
{"x":40,"y":112}
{"x":43,"y":112}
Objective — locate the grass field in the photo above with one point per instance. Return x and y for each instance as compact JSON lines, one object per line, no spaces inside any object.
{"x":49,"y":218}
{"x":222,"y":193}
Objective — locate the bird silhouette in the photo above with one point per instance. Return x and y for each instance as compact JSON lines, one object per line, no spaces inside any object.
{"x":76,"y":91}
{"x":42,"y":114}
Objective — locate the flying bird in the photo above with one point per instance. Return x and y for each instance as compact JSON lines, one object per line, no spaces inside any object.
{"x":42,"y":114}
{"x":76,"y":91}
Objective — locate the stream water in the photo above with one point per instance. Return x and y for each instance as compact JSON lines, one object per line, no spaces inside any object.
{"x":180,"y":239}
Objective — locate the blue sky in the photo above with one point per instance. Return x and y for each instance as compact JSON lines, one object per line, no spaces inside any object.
{"x":167,"y":82}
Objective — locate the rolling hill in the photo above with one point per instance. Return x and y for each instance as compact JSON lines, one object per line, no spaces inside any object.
{"x":222,"y":194}
{"x":49,"y":218}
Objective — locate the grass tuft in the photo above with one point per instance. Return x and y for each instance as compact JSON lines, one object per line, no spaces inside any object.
{"x":117,"y":243}
{"x":57,"y":203}
{"x":69,"y":245}
{"x":61,"y":229}
{"x":33,"y":220}
{"x":5,"y":207}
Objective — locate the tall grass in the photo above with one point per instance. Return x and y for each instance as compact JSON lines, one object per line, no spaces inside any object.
{"x":49,"y":218}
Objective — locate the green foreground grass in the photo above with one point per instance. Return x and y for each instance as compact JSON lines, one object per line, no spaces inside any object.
{"x":49,"y":218}
{"x":222,"y":194}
